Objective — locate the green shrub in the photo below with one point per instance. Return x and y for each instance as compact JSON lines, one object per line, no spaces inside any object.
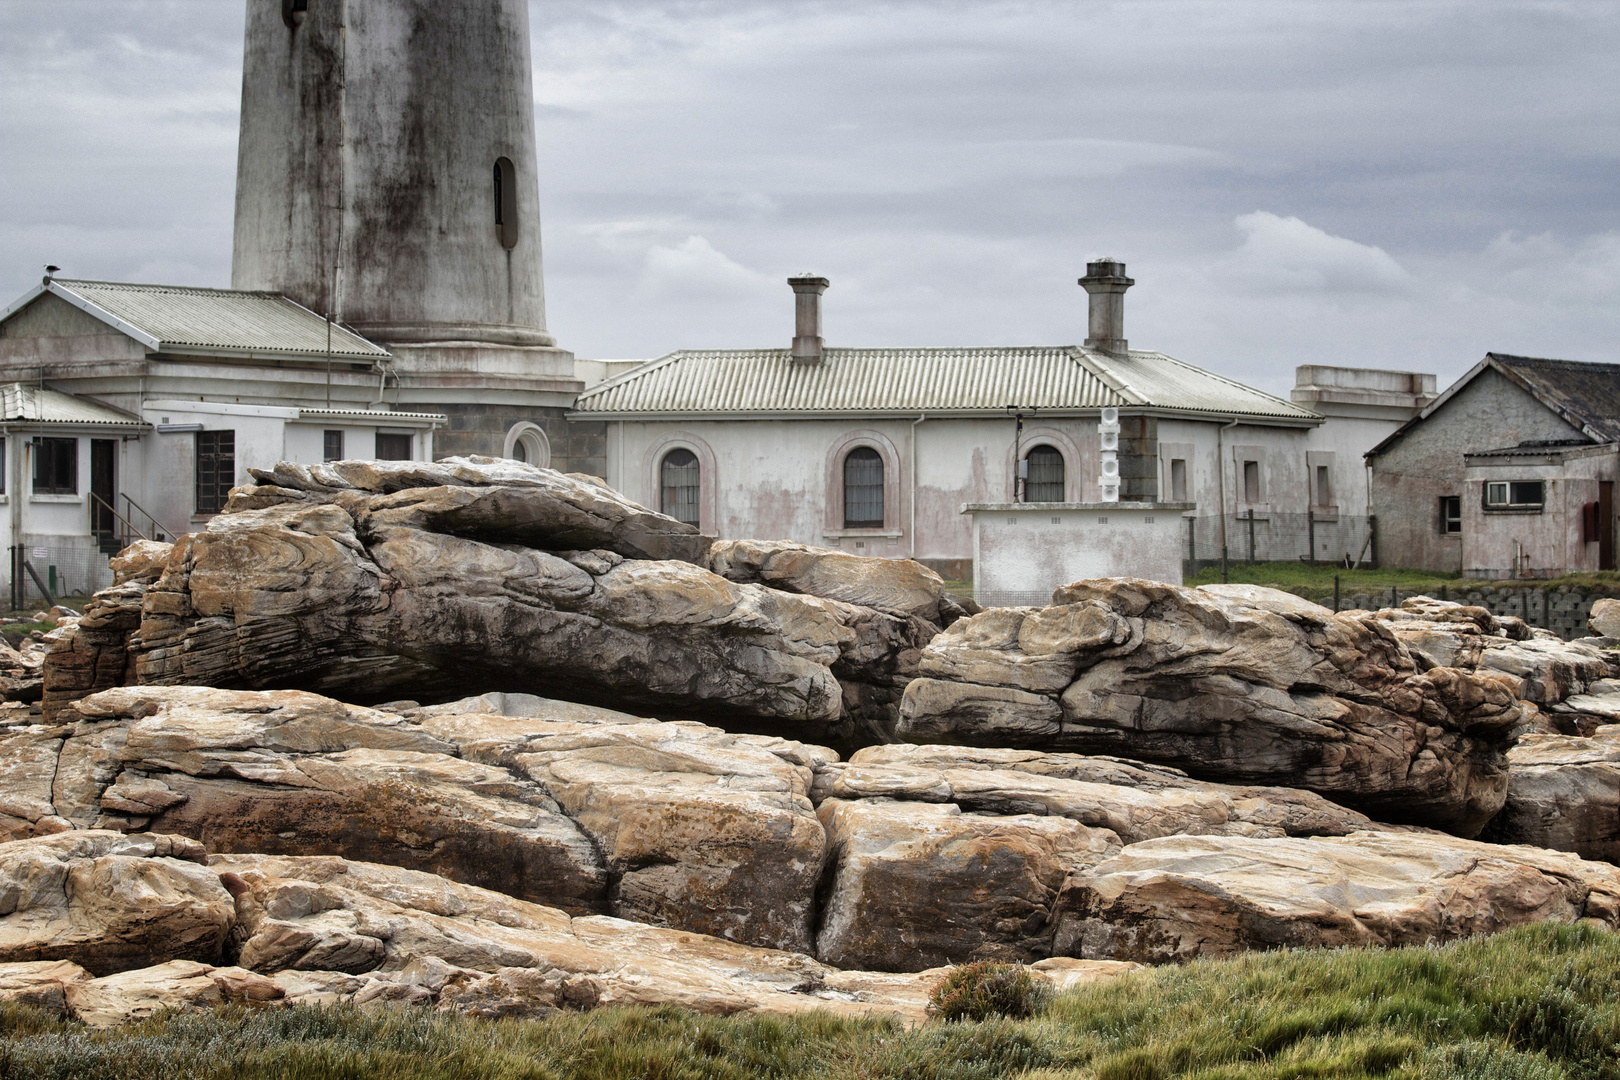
{"x":985,"y":988}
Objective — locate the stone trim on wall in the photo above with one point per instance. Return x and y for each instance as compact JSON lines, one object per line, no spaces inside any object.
{"x":893,"y":482}
{"x":708,"y":478}
{"x":534,"y":439}
{"x":1074,"y":479}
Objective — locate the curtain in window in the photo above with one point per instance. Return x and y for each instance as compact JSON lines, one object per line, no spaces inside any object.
{"x":681,"y":480}
{"x":1045,"y":483}
{"x":863,"y":489}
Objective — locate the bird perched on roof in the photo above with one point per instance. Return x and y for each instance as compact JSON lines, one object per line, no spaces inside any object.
{"x":50,"y":270}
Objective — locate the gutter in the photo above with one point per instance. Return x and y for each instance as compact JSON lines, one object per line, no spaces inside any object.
{"x":913,"y":530}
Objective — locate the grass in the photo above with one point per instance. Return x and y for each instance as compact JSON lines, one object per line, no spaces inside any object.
{"x":1538,"y":1003}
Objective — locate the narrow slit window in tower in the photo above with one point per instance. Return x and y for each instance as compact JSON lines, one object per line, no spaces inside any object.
{"x":293,"y":12}
{"x":506,"y":210}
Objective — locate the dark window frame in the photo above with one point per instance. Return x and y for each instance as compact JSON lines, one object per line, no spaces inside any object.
{"x":508,"y":227}
{"x":394,"y":453}
{"x":680,"y":486}
{"x":215,"y":469}
{"x":864,"y":475}
{"x":56,"y":466}
{"x":329,"y":437}
{"x":1450,"y":515}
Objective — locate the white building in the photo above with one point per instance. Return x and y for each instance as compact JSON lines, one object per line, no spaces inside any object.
{"x":878,"y":450}
{"x":169,"y":395}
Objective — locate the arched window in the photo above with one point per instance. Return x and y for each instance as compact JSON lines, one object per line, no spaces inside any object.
{"x":506,"y":211}
{"x":1045,"y":483}
{"x":680,"y":480}
{"x":863,"y":489}
{"x":527,"y":443}
{"x":294,"y":11}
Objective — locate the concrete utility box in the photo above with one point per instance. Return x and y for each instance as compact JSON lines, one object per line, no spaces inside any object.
{"x":1022,"y":551}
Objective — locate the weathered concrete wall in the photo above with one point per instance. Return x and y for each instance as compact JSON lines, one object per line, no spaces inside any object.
{"x":1540,"y":543}
{"x":397,"y":118}
{"x":482,"y":429}
{"x":1410,"y":477}
{"x":1021,"y":552}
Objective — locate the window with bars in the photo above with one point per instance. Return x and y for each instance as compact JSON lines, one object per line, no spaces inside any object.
{"x":1045,"y":483}
{"x":332,"y":446}
{"x":863,"y":489}
{"x":680,"y":481}
{"x":216,"y":469}
{"x":56,"y":467}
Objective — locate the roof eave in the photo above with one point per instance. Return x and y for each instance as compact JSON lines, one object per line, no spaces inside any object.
{"x":96,"y":311}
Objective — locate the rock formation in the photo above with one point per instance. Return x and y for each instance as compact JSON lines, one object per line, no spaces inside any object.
{"x":110,"y":927}
{"x":1186,"y":896}
{"x":388,"y":580}
{"x":1285,"y":694}
{"x":1564,"y":794}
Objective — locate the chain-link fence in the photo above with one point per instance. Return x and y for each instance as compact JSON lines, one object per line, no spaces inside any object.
{"x":1262,"y":536}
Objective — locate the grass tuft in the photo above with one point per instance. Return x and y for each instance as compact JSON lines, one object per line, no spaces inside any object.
{"x":985,"y":989}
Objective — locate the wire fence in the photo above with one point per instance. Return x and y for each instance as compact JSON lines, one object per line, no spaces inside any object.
{"x":1261,"y":536}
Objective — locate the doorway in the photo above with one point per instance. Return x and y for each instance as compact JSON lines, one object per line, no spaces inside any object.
{"x":103,"y":456}
{"x":1605,"y":524}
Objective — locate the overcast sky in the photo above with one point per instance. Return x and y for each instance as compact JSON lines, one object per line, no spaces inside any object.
{"x":1401,"y":185}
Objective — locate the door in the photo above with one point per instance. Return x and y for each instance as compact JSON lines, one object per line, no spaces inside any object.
{"x":102,"y":456}
{"x":1605,"y":524}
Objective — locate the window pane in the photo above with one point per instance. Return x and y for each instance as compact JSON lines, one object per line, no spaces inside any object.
{"x":1451,"y":514}
{"x":863,"y":489}
{"x":1496,"y":494}
{"x":1525,"y":492}
{"x":216,"y":469}
{"x":1045,"y":483}
{"x":332,"y":446}
{"x":56,"y":467}
{"x":393,"y":447}
{"x":681,"y":482}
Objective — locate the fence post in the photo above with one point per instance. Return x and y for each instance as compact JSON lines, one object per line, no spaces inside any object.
{"x":1372,"y":540}
{"x":1251,"y":536}
{"x":1335,"y":593}
{"x":1310,"y":533}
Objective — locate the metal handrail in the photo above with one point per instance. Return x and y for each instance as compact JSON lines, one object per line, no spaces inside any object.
{"x":127,"y":523}
{"x":157,"y":526}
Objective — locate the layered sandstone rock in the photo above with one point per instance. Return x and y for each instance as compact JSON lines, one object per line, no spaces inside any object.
{"x":1281,"y":692}
{"x":1440,"y":633}
{"x":321,"y":930}
{"x":915,"y":885}
{"x":1180,"y":897}
{"x":110,"y":902}
{"x":382,"y":580}
{"x":577,"y":807}
{"x":1564,"y":793}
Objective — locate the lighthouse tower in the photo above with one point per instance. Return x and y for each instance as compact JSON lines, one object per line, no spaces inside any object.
{"x":387,"y":177}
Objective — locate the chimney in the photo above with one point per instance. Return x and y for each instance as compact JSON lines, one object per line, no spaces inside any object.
{"x":807,"y":290}
{"x":1106,"y":283}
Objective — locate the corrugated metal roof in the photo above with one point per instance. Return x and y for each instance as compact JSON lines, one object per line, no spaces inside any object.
{"x":181,"y":318}
{"x":21,"y":403}
{"x":909,"y":381}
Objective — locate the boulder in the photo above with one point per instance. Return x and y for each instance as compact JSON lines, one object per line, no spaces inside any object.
{"x":1181,"y":897}
{"x":363,"y":599}
{"x":1441,"y":633}
{"x":898,"y":587}
{"x":178,"y":984}
{"x":110,"y":902}
{"x":1604,"y":619}
{"x":570,"y":805}
{"x":492,"y":499}
{"x":1563,"y":793}
{"x":1134,"y":800}
{"x":1287,"y":694}
{"x":40,"y":983}
{"x":93,"y":654}
{"x":912,"y":885}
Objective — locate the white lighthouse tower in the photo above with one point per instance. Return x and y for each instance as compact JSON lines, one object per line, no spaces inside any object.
{"x":387,"y":177}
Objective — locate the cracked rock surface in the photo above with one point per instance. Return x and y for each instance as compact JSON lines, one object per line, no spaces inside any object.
{"x":1269,"y":690}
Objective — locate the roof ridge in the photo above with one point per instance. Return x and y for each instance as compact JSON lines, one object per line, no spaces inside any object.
{"x":158,"y":287}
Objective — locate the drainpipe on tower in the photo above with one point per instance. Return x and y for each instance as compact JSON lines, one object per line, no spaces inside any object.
{"x":1220,"y":473}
